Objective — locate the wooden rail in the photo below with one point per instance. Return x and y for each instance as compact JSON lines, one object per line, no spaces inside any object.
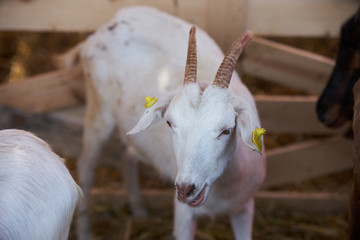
{"x":287,"y":65}
{"x":224,"y":19}
{"x":315,"y":203}
{"x":45,"y":92}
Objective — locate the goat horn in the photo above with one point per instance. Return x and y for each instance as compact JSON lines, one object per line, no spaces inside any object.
{"x":226,"y":69}
{"x":191,"y":61}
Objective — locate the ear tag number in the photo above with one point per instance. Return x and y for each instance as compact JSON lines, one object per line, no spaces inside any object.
{"x":150,"y":101}
{"x":256,"y":137}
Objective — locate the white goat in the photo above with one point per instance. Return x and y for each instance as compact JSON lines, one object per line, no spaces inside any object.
{"x":143,"y":51}
{"x":38,"y":196}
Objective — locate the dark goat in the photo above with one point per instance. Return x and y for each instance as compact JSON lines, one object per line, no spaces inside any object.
{"x":340,"y":102}
{"x":335,"y":105}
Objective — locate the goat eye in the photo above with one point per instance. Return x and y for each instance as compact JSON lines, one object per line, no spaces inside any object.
{"x":168,"y":123}
{"x":226,"y":132}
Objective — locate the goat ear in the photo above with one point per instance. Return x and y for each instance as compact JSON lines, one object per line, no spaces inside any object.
{"x":153,"y":114}
{"x":246,"y":122}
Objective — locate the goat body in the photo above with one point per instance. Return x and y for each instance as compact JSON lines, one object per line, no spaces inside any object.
{"x":143,"y":52}
{"x":38,"y":195}
{"x":340,"y":102}
{"x":354,"y":213}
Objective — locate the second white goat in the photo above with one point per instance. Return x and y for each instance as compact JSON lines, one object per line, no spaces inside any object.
{"x":38,"y":196}
{"x":210,"y":122}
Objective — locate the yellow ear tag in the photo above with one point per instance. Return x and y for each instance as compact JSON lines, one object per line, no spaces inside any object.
{"x":150,"y":101}
{"x":256,"y":137}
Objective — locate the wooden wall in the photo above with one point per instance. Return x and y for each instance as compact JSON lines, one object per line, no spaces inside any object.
{"x":224,"y":20}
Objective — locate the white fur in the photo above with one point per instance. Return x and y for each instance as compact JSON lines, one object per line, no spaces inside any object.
{"x":37,"y":193}
{"x":143,"y":52}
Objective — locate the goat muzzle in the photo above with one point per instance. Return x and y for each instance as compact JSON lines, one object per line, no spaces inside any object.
{"x":184,"y":191}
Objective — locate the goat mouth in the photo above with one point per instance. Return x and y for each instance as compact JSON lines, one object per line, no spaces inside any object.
{"x":198,"y":199}
{"x":337,"y":122}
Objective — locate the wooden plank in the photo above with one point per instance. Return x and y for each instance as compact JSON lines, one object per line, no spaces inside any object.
{"x":287,"y":65}
{"x":63,"y":15}
{"x":307,"y":160}
{"x":299,"y":18}
{"x":292,"y":114}
{"x":45,"y":92}
{"x":309,"y":202}
{"x":278,"y":17}
{"x":291,"y":163}
{"x":65,"y":89}
{"x":73,"y":116}
{"x":226,"y":21}
{"x":318,"y":202}
{"x":223,"y":20}
{"x":278,"y":114}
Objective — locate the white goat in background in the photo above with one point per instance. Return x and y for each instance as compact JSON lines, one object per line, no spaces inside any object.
{"x":143,"y":52}
{"x":38,"y":196}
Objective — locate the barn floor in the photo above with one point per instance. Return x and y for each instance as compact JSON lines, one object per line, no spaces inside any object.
{"x":26,"y":54}
{"x":112,"y":220}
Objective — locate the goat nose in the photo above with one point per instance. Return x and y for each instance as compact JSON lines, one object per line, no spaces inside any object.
{"x":184,"y":191}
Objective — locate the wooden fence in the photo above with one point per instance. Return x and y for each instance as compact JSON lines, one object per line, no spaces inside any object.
{"x":223,"y":20}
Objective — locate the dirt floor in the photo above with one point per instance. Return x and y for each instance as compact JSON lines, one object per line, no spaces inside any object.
{"x":111,"y":220}
{"x":26,"y":54}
